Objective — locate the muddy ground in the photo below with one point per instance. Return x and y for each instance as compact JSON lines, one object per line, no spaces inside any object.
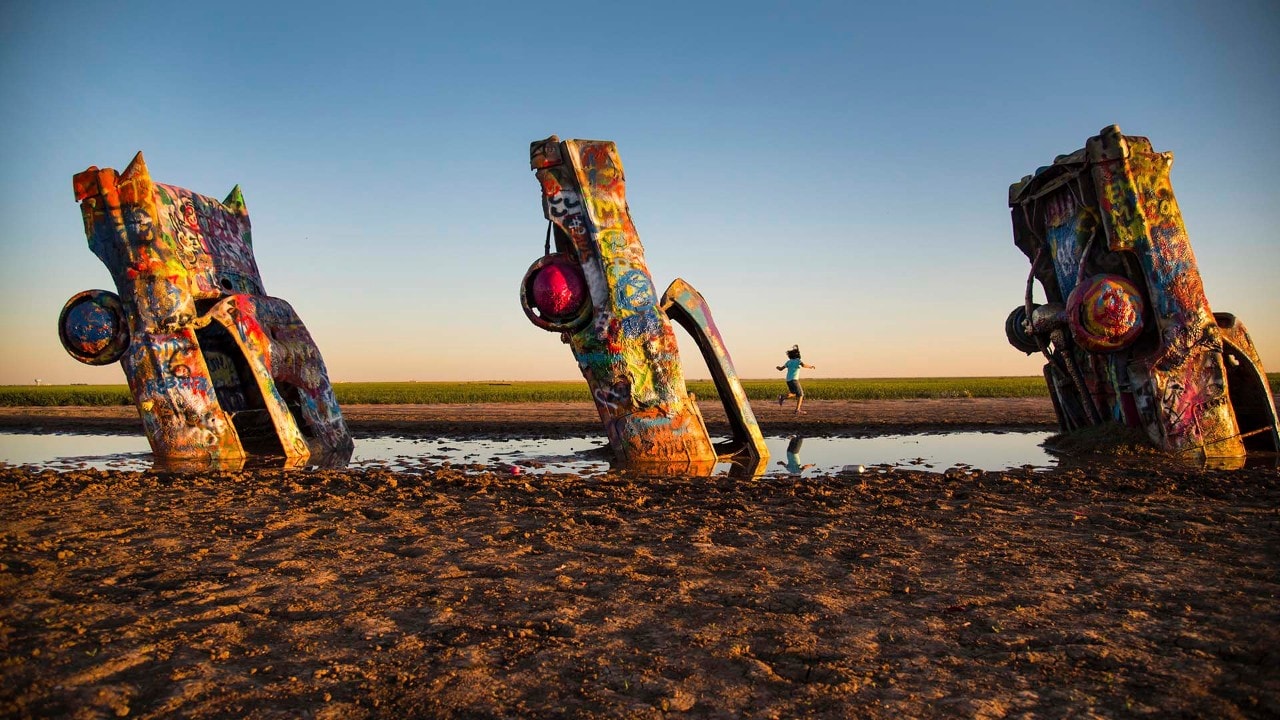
{"x":1089,"y":591}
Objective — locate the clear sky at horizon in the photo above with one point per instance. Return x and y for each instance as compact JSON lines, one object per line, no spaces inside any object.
{"x":832,"y":174}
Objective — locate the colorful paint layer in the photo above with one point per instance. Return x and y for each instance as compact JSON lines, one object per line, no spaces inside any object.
{"x":1127,"y":330}
{"x":218,"y":369}
{"x":596,"y":290}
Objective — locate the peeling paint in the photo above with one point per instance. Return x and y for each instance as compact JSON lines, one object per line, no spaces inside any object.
{"x":1127,"y":330}
{"x":620,"y":330}
{"x":217,"y":368}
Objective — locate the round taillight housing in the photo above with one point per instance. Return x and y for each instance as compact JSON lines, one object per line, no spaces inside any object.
{"x":93,"y":328}
{"x":554,"y":294}
{"x":1105,"y":313}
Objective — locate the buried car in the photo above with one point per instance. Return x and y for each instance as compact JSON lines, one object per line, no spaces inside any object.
{"x":1127,"y":331}
{"x":218,"y":369}
{"x":596,"y":291}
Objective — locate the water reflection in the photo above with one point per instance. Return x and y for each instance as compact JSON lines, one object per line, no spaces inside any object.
{"x":580,"y":455}
{"x":64,"y":451}
{"x":990,"y":451}
{"x":792,"y":464}
{"x":736,"y":466}
{"x":334,"y":460}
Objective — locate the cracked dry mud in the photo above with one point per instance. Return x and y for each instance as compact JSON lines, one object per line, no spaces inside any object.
{"x":1084,"y":592}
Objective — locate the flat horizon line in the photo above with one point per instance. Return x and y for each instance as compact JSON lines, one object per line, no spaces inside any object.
{"x":575,"y":380}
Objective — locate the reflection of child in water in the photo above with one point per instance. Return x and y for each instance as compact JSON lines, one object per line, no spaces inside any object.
{"x":792,"y":366}
{"x":792,"y":464}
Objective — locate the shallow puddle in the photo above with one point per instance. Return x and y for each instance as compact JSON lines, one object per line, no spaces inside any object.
{"x":992,"y":451}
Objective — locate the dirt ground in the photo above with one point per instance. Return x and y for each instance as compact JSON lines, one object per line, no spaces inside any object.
{"x":1092,"y":591}
{"x":823,"y":417}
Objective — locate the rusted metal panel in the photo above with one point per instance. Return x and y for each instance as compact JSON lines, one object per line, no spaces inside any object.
{"x":1127,"y":329}
{"x":596,"y":291}
{"x":216,"y":367}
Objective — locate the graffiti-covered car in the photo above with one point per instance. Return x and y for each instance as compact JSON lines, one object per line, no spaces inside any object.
{"x":596,"y":291}
{"x":1126,"y":329}
{"x":217,"y":368}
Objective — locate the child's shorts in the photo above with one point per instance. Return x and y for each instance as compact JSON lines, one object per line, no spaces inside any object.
{"x":793,"y":386}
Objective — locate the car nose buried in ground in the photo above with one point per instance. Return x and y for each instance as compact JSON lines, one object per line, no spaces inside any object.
{"x":1127,"y":331}
{"x":596,"y":291}
{"x":218,"y":369}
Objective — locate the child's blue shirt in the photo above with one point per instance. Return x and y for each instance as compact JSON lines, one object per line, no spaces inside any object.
{"x":793,"y":368}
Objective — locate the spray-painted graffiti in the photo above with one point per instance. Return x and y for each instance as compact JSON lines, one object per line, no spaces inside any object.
{"x":596,"y":291}
{"x":217,"y":368}
{"x":1126,"y":329}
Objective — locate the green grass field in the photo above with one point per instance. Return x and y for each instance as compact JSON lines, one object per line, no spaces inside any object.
{"x":400,"y":393}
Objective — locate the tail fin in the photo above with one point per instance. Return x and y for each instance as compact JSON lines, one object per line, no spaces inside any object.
{"x":688,"y":308}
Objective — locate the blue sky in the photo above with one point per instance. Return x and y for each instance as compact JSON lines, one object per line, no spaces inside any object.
{"x":828,"y":174}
